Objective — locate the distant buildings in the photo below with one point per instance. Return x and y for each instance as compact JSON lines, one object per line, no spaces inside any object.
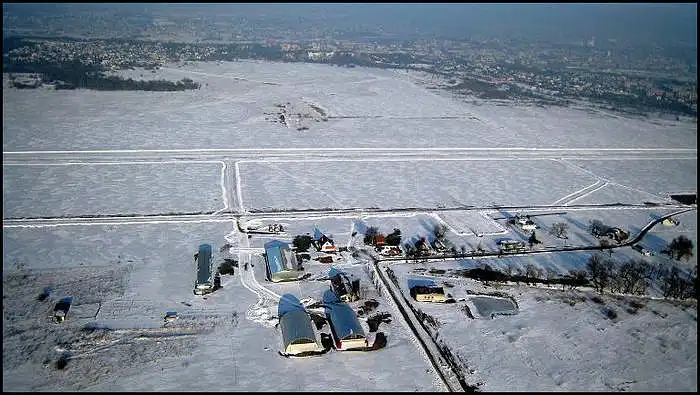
{"x":510,"y":245}
{"x":281,"y":263}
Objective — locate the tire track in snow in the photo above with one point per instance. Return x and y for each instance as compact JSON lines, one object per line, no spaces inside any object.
{"x":239,"y":192}
{"x":224,"y":192}
{"x":580,"y":193}
{"x":607,"y":181}
{"x":604,"y":184}
{"x":259,"y":312}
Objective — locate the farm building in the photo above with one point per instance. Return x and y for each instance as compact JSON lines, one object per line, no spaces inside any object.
{"x":281,"y":263}
{"x":670,"y":221}
{"x":61,"y":309}
{"x":323,"y":242}
{"x":204,"y":284}
{"x":298,"y":336}
{"x":344,"y":285}
{"x":528,"y":225}
{"x":428,"y":293}
{"x":510,"y":245}
{"x":379,"y":240}
{"x":390,"y":250}
{"x":345,"y":327}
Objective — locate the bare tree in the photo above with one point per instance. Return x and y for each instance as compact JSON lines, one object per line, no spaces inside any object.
{"x":551,"y":275}
{"x":530,"y":272}
{"x":675,"y":285}
{"x":532,"y":240}
{"x":671,"y":283}
{"x":560,"y":230}
{"x":600,"y":270}
{"x":680,"y":247}
{"x":577,"y":277}
{"x":439,"y":231}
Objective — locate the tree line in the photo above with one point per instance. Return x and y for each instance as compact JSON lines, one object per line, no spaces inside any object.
{"x":74,"y":74}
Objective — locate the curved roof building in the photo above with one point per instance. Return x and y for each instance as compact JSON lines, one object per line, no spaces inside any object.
{"x":298,"y":335}
{"x":345,"y":327}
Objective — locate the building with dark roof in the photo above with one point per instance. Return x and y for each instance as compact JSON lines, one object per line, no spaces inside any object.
{"x":204,"y":283}
{"x":345,"y":327}
{"x":298,"y":335}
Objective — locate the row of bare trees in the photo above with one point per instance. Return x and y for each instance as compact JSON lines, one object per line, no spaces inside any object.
{"x":636,"y":275}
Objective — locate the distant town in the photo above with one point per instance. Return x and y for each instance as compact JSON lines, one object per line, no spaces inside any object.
{"x":600,"y":71}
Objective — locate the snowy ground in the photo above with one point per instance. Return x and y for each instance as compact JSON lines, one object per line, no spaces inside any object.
{"x":53,"y":191}
{"x":563,"y":341}
{"x":184,"y":162}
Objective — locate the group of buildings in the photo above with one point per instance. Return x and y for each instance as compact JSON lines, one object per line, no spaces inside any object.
{"x":298,"y":335}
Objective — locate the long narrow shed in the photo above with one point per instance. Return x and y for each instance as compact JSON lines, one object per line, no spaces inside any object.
{"x":204,"y":264}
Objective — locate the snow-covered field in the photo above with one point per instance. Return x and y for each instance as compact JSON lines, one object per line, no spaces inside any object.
{"x":228,"y":112}
{"x":563,"y":341}
{"x":472,"y":223}
{"x":405,"y":184}
{"x":190,"y":161}
{"x":136,"y":188}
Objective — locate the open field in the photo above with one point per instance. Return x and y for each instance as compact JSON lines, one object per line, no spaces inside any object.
{"x":200,"y":166}
{"x":563,"y":340}
{"x":79,"y":189}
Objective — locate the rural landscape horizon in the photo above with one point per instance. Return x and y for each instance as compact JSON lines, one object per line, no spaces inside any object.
{"x":349,"y":197}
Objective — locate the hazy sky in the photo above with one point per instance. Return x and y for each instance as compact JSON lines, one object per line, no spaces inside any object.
{"x":640,"y":23}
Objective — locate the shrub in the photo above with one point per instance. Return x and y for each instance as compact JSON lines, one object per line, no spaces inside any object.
{"x":371,"y":304}
{"x":598,"y":300}
{"x":227,"y":267}
{"x":62,"y":362}
{"x":302,"y":242}
{"x":636,"y":304}
{"x":610,"y":313}
{"x":632,"y":311}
